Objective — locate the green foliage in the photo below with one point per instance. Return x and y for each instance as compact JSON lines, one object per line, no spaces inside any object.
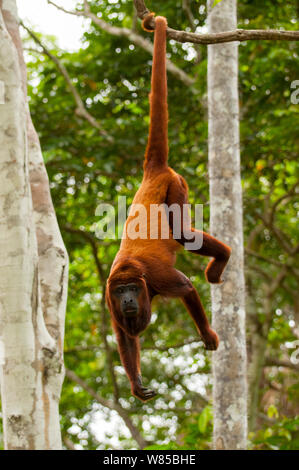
{"x":204,"y":419}
{"x":196,"y":434}
{"x":283,"y":435}
{"x":216,"y":3}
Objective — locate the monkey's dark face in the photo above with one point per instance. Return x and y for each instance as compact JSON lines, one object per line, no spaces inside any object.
{"x":129,"y":302}
{"x":128,"y":298}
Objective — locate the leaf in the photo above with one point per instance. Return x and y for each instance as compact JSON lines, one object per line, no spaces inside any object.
{"x":268,"y":433}
{"x":272,"y":411}
{"x":216,"y":3}
{"x":204,"y":418}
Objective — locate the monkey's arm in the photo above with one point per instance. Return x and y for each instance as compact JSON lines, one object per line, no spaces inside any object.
{"x":129,"y":351}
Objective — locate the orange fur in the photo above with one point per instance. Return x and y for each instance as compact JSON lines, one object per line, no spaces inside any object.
{"x":150,"y":262}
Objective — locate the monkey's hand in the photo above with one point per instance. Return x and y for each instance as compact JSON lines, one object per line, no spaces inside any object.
{"x":210,"y":339}
{"x":142,"y":393}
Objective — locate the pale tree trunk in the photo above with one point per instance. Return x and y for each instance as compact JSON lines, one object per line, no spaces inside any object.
{"x":33,"y":274}
{"x":228,"y":299}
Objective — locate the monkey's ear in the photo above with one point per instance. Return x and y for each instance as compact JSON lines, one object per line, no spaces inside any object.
{"x":146,"y":22}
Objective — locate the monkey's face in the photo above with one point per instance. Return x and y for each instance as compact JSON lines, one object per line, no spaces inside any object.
{"x":129,"y":304}
{"x":128,"y":296}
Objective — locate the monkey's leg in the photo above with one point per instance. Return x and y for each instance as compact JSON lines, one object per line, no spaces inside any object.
{"x":201,"y":243}
{"x":129,"y":351}
{"x":176,"y":284}
{"x":194,"y":240}
{"x":195,"y":308}
{"x":215,"y":249}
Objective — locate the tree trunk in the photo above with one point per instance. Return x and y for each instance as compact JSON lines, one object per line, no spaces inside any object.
{"x":33,"y":271}
{"x":228,"y":300}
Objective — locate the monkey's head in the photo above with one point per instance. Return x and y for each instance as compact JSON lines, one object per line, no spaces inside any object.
{"x":128,"y":298}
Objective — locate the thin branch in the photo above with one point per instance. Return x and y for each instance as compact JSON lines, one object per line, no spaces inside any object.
{"x":280,"y":236}
{"x":217,"y":38}
{"x":71,"y":168}
{"x":79,"y":348}
{"x":174,"y":346}
{"x":196,"y":410}
{"x":256,"y":269}
{"x":109,"y":351}
{"x":277,"y":281}
{"x":268,"y":219}
{"x":189,"y":14}
{"x":280,"y":363}
{"x":274,"y":262}
{"x":134,"y":21}
{"x":81,"y":110}
{"x":144,"y":348}
{"x":128,"y":33}
{"x":288,"y":194}
{"x":68,"y":443}
{"x":292,"y":292}
{"x":32,"y":50}
{"x":68,"y":165}
{"x":102,"y":278}
{"x":253,"y":234}
{"x":111,"y":406}
{"x":93,"y":241}
{"x":264,"y":258}
{"x":266,"y":418}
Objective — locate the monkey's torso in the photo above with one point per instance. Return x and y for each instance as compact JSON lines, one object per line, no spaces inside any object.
{"x":146,"y":229}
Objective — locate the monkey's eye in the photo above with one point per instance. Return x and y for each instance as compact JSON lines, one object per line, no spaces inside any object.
{"x":133,"y":288}
{"x":119,"y":290}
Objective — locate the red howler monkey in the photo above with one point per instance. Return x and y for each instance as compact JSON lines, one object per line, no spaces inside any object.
{"x":144,"y":268}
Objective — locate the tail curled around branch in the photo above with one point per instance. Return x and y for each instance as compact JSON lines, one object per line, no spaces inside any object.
{"x":157,"y":147}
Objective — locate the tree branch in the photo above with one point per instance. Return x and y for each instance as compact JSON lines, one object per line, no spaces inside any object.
{"x":68,"y":443}
{"x":253,"y":234}
{"x":93,"y":347}
{"x":174,"y":346}
{"x":191,"y":19}
{"x":111,"y":406}
{"x":217,"y":38}
{"x":81,"y":110}
{"x":280,"y":363}
{"x":264,"y":258}
{"x":128,"y":33}
{"x":102,"y":278}
{"x":274,"y":262}
{"x":189,"y":14}
{"x":288,"y":194}
{"x":277,"y":281}
{"x":256,"y":269}
{"x":94,"y":245}
{"x":268,"y":219}
{"x":280,"y":236}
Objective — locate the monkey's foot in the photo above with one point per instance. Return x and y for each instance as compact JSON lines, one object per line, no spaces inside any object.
{"x":210,"y":339}
{"x":142,"y":393}
{"x":216,"y":267}
{"x":213,"y":273}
